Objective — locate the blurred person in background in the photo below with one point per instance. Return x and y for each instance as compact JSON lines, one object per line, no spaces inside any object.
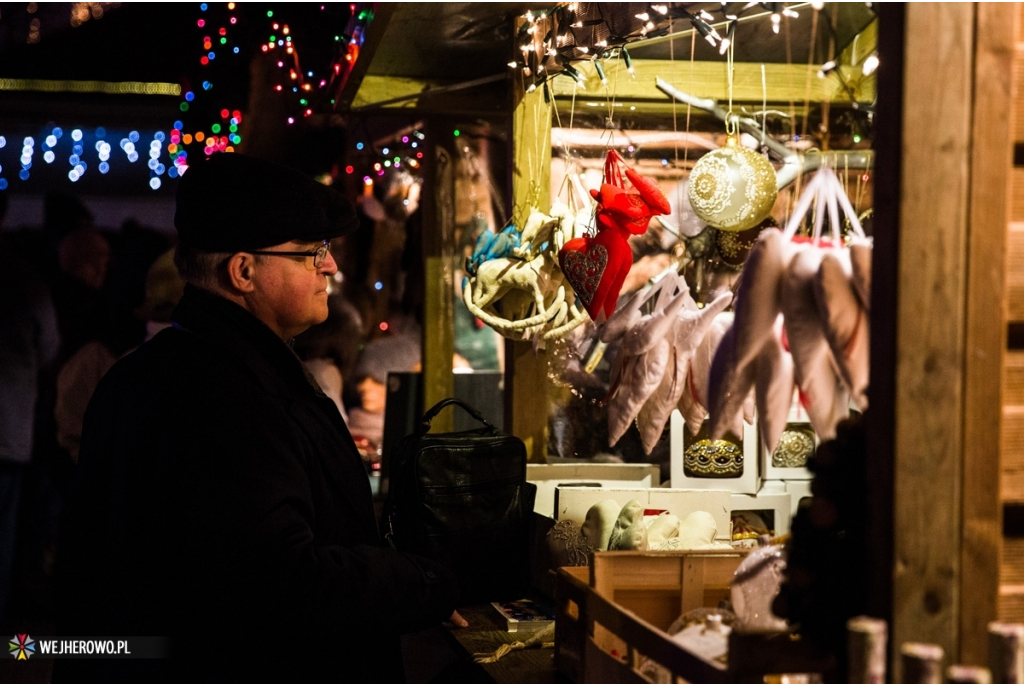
{"x":29,"y":342}
{"x":79,"y":376}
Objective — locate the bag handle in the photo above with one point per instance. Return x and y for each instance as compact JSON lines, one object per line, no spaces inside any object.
{"x":436,"y":409}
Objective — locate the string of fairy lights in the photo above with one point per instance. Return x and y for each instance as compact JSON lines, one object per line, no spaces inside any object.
{"x":403,"y":151}
{"x":550,"y":40}
{"x":216,"y":24}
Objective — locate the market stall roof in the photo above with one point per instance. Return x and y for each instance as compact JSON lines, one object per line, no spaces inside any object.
{"x":462,"y":50}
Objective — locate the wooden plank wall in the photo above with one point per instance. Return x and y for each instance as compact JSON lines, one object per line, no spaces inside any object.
{"x":950,"y":334}
{"x":1011,"y":577}
{"x":985,"y":335}
{"x":930,"y":342}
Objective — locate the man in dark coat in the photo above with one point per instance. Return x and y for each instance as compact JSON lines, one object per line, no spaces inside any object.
{"x":221,"y":501}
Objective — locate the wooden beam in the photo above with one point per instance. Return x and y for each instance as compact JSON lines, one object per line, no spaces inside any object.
{"x":785,"y":82}
{"x":880,"y":419}
{"x":930,"y":383}
{"x":382,"y":13}
{"x":376,"y":88}
{"x":991,"y":162}
{"x":438,"y":257}
{"x":397,"y":92}
{"x":526,"y":386}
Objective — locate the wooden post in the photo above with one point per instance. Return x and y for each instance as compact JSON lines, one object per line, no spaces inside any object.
{"x":1006,"y":652}
{"x":922,"y":663}
{"x":930,"y":384}
{"x":991,"y":164}
{"x":968,"y":674}
{"x":941,"y":387}
{"x":438,"y":260}
{"x":526,"y":386}
{"x":867,"y":648}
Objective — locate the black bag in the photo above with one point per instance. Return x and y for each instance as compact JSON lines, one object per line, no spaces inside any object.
{"x":462,"y":499}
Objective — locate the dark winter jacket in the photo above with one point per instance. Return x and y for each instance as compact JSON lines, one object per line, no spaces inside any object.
{"x":221,"y":502}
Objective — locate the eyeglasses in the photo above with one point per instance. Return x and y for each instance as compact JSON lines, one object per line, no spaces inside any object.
{"x":318,"y":255}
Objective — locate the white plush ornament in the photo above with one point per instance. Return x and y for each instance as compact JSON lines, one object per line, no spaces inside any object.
{"x":600,"y":522}
{"x":860,"y":257}
{"x":688,"y":332}
{"x":692,"y":403}
{"x":697,"y":529}
{"x":846,"y":323}
{"x":729,"y":385}
{"x":664,"y":527}
{"x":629,"y":532}
{"x":822,"y":392}
{"x":774,"y":384}
{"x":821,"y":298}
{"x":757,"y":299}
{"x":642,"y":360}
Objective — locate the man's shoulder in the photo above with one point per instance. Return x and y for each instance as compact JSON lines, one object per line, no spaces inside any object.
{"x":173,"y":362}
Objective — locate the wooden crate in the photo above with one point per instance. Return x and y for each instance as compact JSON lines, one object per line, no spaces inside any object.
{"x":571,"y":620}
{"x":635,"y":596}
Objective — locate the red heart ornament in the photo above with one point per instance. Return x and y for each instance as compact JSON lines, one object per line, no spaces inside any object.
{"x":606,"y":259}
{"x":583,"y":268}
{"x":596,"y":267}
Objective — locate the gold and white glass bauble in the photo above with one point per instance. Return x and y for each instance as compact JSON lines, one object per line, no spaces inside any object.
{"x":733,"y":188}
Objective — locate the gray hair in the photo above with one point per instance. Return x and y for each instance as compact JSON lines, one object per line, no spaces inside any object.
{"x":200,"y":268}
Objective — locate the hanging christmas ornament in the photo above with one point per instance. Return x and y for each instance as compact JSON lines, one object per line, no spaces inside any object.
{"x":734,"y":246}
{"x":732,"y":188}
{"x":596,"y":266}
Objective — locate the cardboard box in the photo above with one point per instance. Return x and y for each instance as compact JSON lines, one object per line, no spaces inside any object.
{"x":749,"y":482}
{"x":798,"y":489}
{"x":798,"y":421}
{"x":547,"y":477}
{"x":573,"y":503}
{"x":773,"y":503}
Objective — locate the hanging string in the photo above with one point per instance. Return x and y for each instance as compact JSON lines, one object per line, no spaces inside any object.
{"x":729,"y":73}
{"x":731,"y":125}
{"x":686,"y":150}
{"x":570,"y":160}
{"x":810,"y":63}
{"x":675,"y":122}
{"x":792,"y":114}
{"x":764,"y":105}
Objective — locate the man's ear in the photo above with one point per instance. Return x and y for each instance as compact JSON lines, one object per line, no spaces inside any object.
{"x":241,"y":272}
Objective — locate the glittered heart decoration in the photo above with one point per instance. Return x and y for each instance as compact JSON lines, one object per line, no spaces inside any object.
{"x":583,"y":268}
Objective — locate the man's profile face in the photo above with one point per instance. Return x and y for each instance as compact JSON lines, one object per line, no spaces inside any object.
{"x":291,"y":294}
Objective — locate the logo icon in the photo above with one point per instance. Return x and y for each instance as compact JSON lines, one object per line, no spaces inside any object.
{"x":22,"y":647}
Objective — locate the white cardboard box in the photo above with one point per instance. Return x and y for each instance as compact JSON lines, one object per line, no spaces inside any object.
{"x":573,"y":503}
{"x":798,"y":415}
{"x":776,"y":500}
{"x":798,"y":489}
{"x":548,"y":476}
{"x":748,"y":483}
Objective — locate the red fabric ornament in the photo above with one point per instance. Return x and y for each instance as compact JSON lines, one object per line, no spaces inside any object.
{"x":596,"y":266}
